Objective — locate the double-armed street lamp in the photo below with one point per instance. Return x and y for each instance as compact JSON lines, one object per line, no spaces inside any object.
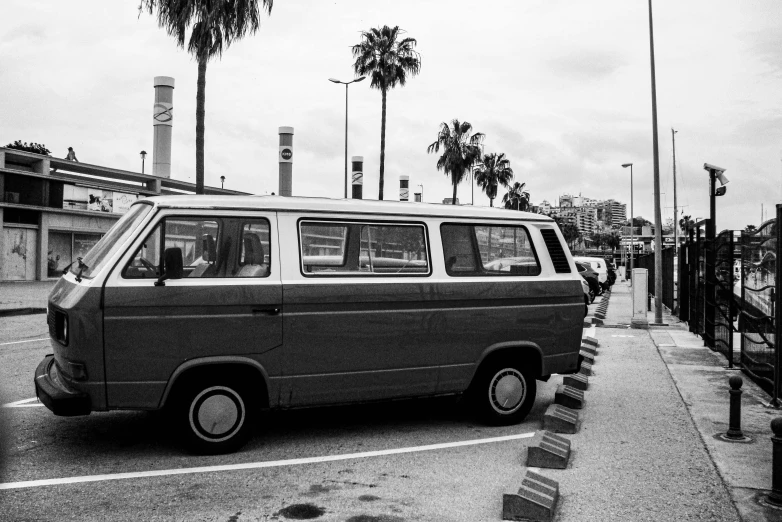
{"x":632,"y":245}
{"x":360,"y":78}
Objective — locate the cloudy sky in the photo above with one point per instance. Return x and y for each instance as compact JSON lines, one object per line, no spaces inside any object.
{"x":561,"y":87}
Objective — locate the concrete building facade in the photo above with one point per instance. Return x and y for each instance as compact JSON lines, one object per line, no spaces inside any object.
{"x":53,"y":211}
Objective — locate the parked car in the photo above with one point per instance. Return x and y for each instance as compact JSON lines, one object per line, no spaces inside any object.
{"x":588,"y":297}
{"x":598,"y":264}
{"x":590,"y":276}
{"x":218,"y":307}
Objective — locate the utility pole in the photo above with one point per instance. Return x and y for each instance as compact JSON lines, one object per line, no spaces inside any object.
{"x":675,"y":210}
{"x":658,"y":236}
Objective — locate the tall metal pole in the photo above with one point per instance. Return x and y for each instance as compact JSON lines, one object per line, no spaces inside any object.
{"x":632,"y":225}
{"x":346,"y":140}
{"x":632,"y":239}
{"x":677,"y":290}
{"x":333,"y":80}
{"x":658,"y":237}
{"x":675,"y":210}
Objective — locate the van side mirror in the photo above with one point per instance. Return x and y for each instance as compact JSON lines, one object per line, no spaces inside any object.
{"x":172,"y":266}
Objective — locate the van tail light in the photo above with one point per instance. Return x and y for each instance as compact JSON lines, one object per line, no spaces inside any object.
{"x":61,"y":329}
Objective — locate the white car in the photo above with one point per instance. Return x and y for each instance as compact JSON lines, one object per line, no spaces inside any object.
{"x":598,"y":264}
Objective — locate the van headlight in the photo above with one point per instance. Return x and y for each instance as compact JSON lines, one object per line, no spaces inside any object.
{"x":61,"y":327}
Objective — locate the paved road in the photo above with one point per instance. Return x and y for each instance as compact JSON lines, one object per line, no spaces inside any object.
{"x":460,"y":483}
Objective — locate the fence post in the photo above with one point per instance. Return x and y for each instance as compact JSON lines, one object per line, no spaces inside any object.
{"x":731,"y":299}
{"x":777,"y":311}
{"x":710,"y":276}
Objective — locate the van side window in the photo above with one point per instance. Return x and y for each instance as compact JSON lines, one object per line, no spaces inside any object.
{"x":488,"y":250}
{"x":254,"y":260}
{"x":355,"y":248}
{"x":196,"y":238}
{"x":214,"y":247}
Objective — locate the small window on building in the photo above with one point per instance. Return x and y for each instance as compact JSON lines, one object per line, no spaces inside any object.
{"x":488,"y":250}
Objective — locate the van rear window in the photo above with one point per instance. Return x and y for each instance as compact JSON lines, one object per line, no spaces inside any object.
{"x":355,"y":248}
{"x":488,"y":250}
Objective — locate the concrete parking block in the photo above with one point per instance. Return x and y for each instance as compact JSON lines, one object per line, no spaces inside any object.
{"x":547,"y":450}
{"x":588,"y":348}
{"x":590,"y":341}
{"x":569,"y":397}
{"x":577,"y":381}
{"x":588,"y":357}
{"x":536,"y":499}
{"x":586,"y":369}
{"x":560,"y":419}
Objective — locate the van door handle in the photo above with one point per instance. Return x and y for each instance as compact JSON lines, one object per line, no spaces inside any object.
{"x":272,"y":310}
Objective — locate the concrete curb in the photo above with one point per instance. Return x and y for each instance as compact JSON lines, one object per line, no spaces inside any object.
{"x":21,"y":311}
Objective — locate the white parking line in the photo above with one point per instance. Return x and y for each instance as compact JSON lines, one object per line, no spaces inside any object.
{"x":256,"y":465}
{"x":24,"y":403}
{"x":28,"y":341}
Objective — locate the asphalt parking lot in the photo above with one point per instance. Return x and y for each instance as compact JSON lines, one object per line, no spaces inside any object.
{"x":406,"y":460}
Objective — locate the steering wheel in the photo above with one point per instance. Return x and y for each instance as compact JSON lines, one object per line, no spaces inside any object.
{"x":146,"y":264}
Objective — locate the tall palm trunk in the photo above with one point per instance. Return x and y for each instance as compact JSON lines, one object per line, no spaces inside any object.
{"x":382,"y":147}
{"x":200,"y":114}
{"x":453,"y":202}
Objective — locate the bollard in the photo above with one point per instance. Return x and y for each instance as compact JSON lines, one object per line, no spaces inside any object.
{"x":775,"y":497}
{"x":734,"y":423}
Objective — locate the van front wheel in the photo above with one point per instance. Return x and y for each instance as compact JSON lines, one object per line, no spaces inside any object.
{"x":215,"y":418}
{"x":505,"y":393}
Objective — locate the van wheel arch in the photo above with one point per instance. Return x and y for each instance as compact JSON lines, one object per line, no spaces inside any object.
{"x":253,"y":377}
{"x":526,"y":353}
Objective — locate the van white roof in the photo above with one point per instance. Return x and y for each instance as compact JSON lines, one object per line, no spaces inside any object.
{"x":352,"y":206}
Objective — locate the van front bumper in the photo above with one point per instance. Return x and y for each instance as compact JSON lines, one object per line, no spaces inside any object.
{"x":55,"y":395}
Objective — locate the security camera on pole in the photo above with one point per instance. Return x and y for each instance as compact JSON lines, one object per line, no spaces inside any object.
{"x":715,"y":173}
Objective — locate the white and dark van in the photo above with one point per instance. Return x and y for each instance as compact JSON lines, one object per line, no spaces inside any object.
{"x":217,"y":307}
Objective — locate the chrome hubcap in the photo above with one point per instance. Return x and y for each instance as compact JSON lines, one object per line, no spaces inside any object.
{"x":216,"y":414}
{"x":507,"y":391}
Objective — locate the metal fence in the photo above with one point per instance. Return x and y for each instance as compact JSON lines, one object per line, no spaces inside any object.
{"x":728,"y":285}
{"x":758,"y":288}
{"x":647,"y":262}
{"x":725,"y":300}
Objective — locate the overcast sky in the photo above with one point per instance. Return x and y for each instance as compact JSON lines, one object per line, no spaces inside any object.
{"x":561,"y":87}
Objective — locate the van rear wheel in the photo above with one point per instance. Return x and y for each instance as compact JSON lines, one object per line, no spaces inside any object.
{"x":505,"y":392}
{"x":215,"y":417}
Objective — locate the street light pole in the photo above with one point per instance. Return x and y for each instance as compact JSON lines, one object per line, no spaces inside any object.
{"x":143,"y":155}
{"x":422,"y":191}
{"x":632,"y":245}
{"x":222,"y":181}
{"x":658,"y":218}
{"x":360,"y":78}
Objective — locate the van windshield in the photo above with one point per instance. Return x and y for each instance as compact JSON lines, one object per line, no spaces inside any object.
{"x":116,"y":236}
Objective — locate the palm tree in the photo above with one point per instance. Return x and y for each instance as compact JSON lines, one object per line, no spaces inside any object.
{"x":460,"y":150}
{"x":389,"y":61}
{"x":492,"y":171}
{"x":213,"y":26}
{"x":517,"y":198}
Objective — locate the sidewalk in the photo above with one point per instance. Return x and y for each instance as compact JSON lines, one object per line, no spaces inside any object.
{"x":647,"y":448}
{"x":25,"y":297}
